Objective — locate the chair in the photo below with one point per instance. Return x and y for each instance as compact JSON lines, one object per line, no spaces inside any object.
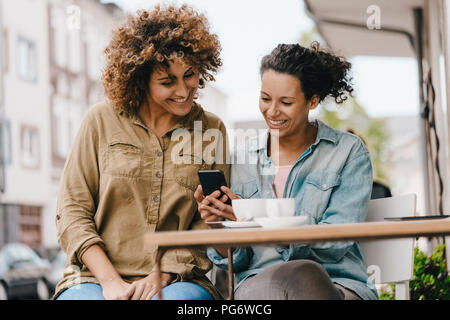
{"x":391,"y":260}
{"x":379,"y":190}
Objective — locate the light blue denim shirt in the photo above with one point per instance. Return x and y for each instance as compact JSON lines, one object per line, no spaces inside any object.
{"x":331,"y":183}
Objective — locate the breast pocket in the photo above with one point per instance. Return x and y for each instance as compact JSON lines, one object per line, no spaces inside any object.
{"x":123,"y":159}
{"x":246,"y":190}
{"x":186,"y":170}
{"x":317,"y":192}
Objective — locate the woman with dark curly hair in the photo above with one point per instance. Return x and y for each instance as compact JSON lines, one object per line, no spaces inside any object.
{"x":130,"y":171}
{"x":327,"y":172}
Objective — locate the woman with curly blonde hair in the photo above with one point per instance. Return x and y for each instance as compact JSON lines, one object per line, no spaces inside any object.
{"x":121,"y":179}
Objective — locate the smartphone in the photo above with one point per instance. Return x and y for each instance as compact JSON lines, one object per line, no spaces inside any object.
{"x":212,"y":180}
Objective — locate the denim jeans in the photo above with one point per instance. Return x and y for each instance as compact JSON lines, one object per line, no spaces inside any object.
{"x":175,"y":291}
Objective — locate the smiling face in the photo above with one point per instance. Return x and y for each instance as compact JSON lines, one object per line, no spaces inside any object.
{"x":172,"y":90}
{"x":283,"y":104}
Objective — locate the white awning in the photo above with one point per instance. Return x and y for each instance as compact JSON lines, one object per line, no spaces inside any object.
{"x":343,"y":25}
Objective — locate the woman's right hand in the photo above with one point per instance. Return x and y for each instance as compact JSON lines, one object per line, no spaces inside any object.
{"x":205,"y":214}
{"x":218,"y":210}
{"x":117,"y":289}
{"x":113,"y":286}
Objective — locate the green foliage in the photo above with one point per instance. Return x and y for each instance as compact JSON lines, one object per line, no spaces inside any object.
{"x":387,"y":292}
{"x":431,"y":280}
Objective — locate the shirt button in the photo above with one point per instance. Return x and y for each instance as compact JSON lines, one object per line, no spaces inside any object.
{"x":159,"y":154}
{"x":156,"y":198}
{"x":158,"y":175}
{"x":324,"y":186}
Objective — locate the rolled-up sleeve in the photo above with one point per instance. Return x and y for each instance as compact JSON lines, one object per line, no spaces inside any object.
{"x":348,"y":204}
{"x":78,"y":193}
{"x":185,"y":263}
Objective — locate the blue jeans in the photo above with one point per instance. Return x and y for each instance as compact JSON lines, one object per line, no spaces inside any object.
{"x":175,"y":291}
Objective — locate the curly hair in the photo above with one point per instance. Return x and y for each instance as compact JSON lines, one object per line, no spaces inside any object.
{"x":150,"y":40}
{"x":320,"y":73}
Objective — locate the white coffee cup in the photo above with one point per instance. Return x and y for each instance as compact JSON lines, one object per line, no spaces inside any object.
{"x":280,"y":207}
{"x":249,"y":208}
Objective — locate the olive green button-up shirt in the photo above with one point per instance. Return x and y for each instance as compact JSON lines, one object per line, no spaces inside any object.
{"x":121,"y":181}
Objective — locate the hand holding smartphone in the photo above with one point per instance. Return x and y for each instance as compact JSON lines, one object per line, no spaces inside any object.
{"x":212,"y":180}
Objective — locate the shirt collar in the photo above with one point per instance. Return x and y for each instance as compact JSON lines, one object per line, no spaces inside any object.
{"x":325,"y":132}
{"x":196,"y":114}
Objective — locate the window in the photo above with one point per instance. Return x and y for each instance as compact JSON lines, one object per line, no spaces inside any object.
{"x":95,"y":94}
{"x":30,"y":227}
{"x":94,"y":52}
{"x":62,"y":85}
{"x":75,"y":120}
{"x":61,"y":127}
{"x":5,"y":141}
{"x":67,"y":117}
{"x":3,"y":62}
{"x":59,"y":37}
{"x":30,"y":147}
{"x":74,"y":43}
{"x":67,"y":49}
{"x":26,"y":60}
{"x":4,"y":53}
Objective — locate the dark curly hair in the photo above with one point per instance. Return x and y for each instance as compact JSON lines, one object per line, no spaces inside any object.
{"x":320,"y":73}
{"x":150,"y":40}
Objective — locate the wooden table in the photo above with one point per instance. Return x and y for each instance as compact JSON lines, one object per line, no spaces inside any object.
{"x":300,"y":235}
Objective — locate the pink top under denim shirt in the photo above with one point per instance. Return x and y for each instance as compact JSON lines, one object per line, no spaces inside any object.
{"x":331,"y":182}
{"x":280,"y":179}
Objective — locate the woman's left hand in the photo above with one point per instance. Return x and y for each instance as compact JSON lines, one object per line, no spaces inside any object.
{"x":146,"y":288}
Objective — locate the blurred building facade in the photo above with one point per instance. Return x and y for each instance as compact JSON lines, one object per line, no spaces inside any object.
{"x":51,"y":64}
{"x":52,"y":59}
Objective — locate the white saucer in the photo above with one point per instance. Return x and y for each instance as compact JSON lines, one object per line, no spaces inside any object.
{"x":281,"y":222}
{"x":235,"y":224}
{"x":240,"y":224}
